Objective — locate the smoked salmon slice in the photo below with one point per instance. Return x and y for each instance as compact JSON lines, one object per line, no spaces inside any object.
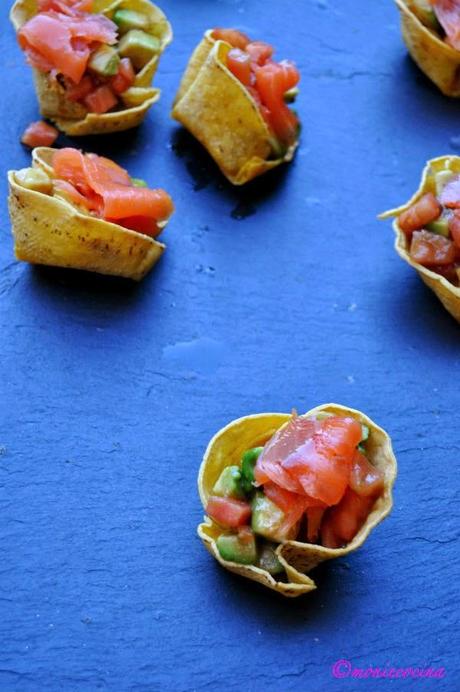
{"x":63,"y":42}
{"x":108,"y":190}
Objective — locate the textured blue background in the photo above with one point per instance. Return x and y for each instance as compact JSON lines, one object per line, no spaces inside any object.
{"x":285,"y":293}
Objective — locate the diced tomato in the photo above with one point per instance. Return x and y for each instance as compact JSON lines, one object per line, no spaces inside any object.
{"x":365,"y":478}
{"x":239,"y":64}
{"x":232,"y":36}
{"x":40,"y":134}
{"x":70,"y":7}
{"x":100,"y":100}
{"x":141,"y":224}
{"x":124,"y":79}
{"x":272,"y":80}
{"x":430,"y":249}
{"x":329,"y":538}
{"x":424,"y":211}
{"x":454,"y":228}
{"x":347,"y":517}
{"x":448,"y":271}
{"x":448,"y":14}
{"x":77,"y":92}
{"x":245,"y":535}
{"x":450,"y":193}
{"x":314,"y":518}
{"x":228,"y":512}
{"x":292,"y":505}
{"x":259,"y":51}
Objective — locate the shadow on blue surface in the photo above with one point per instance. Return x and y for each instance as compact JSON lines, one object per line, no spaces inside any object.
{"x":204,"y":172}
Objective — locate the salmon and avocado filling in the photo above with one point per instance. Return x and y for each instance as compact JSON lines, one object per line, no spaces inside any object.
{"x":432,"y":226}
{"x":440,"y":16}
{"x":312,"y":482}
{"x":271,"y":84}
{"x":98,"y":187}
{"x":93,"y":58}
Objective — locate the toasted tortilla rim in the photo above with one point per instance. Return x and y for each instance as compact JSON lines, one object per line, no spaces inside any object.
{"x":302,"y":582}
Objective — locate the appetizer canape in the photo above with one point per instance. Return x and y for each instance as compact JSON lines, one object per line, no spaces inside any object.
{"x":283,"y":493}
{"x":234,"y":99}
{"x":93,"y":60}
{"x":83,"y":211}
{"x":431,"y":32}
{"x":427,"y":230}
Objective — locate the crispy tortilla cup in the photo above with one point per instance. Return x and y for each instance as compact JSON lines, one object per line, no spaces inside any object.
{"x":439,"y":61}
{"x":48,"y":230}
{"x":73,"y":118}
{"x":297,"y":558}
{"x":217,"y":109}
{"x":448,"y":294}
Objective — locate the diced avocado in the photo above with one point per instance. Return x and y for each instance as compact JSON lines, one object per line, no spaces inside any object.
{"x":424,"y":11}
{"x":441,"y":178}
{"x":291,"y":95}
{"x":138,"y":182}
{"x":440,"y":226}
{"x":130,"y":19}
{"x":364,"y":432}
{"x":229,"y":484}
{"x":34,"y":179}
{"x":233,"y":549}
{"x":104,"y":61}
{"x":248,"y":462}
{"x":268,"y":560}
{"x":266,"y":517}
{"x":323,"y":415}
{"x":139,"y":47}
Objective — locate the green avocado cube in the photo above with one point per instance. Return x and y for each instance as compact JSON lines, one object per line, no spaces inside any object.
{"x":130,"y":19}
{"x":248,"y":462}
{"x":266,"y":517}
{"x":291,"y":95}
{"x":423,"y":10}
{"x":268,"y":560}
{"x":34,"y":179}
{"x":440,"y":226}
{"x":229,"y":484}
{"x":364,"y":432}
{"x":138,"y":182}
{"x":139,"y":47}
{"x":441,"y":178}
{"x":233,"y":549}
{"x":104,"y":61}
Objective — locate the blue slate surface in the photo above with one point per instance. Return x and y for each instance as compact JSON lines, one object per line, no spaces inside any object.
{"x":284,"y":293}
